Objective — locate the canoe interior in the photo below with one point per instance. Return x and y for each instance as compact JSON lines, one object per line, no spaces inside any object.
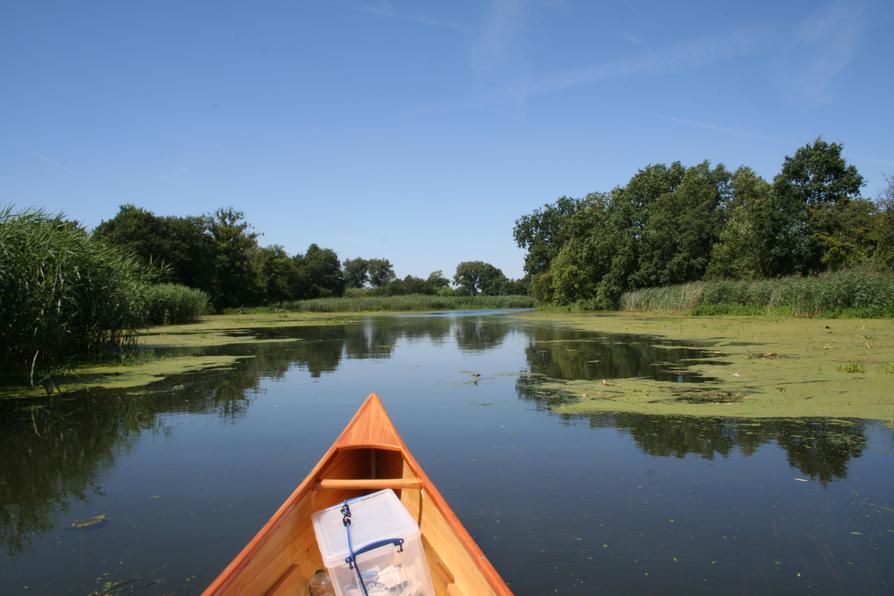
{"x":287,"y":556}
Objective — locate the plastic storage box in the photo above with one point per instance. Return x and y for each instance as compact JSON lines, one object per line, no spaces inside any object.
{"x":387,"y":545}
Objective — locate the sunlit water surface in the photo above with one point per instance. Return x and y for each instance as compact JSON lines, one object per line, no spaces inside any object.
{"x":188,"y":469}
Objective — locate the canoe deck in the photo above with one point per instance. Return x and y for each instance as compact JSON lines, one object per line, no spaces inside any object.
{"x":369,"y":455}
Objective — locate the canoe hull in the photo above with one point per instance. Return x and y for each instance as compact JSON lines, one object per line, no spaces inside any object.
{"x":367,"y":456}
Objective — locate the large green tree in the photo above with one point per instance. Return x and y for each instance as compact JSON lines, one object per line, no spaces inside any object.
{"x":681,"y":227}
{"x":478,"y":277}
{"x":237,"y":280}
{"x":180,"y":248}
{"x":356,"y":272}
{"x":543,"y":232}
{"x":811,"y":194}
{"x":883,"y":231}
{"x":279,"y":274}
{"x":320,"y":273}
{"x":381,"y":272}
{"x":746,"y":242}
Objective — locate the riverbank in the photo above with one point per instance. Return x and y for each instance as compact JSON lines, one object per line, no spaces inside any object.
{"x":168,"y":350}
{"x":761,"y":367}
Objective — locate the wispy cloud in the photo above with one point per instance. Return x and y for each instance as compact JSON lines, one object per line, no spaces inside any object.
{"x":823,"y":45}
{"x":635,"y":40}
{"x":498,"y":39}
{"x":52,"y":162}
{"x":715,"y":128}
{"x":758,"y":136}
{"x":673,"y":59}
{"x":386,"y":9}
{"x":172,"y":174}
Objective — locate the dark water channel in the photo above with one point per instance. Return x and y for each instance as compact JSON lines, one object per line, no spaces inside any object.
{"x":188,"y":469}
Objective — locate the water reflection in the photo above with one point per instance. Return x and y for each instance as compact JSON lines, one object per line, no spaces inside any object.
{"x":562,"y":353}
{"x":819,"y":448}
{"x":55,"y":451}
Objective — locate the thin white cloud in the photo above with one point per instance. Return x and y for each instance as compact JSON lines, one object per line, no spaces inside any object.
{"x":758,"y":136}
{"x":497,"y":42}
{"x":635,"y":40}
{"x":822,"y":47}
{"x":52,"y":162}
{"x":172,"y":174}
{"x":720,"y":129}
{"x":386,"y":9}
{"x":673,"y":59}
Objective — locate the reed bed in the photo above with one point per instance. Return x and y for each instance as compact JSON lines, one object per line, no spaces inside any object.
{"x":62,"y":294}
{"x":169,"y":304}
{"x":844,"y":293}
{"x":410,"y":302}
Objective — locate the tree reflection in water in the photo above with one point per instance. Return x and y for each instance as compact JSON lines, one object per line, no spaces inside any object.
{"x":54,"y":450}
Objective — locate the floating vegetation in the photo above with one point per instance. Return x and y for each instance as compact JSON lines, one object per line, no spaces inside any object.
{"x":702,"y":395}
{"x":763,"y":367}
{"x":91,"y":522}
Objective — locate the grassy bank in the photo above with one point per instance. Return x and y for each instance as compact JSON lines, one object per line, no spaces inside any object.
{"x":411,"y":302}
{"x":761,"y":367}
{"x":841,"y":294}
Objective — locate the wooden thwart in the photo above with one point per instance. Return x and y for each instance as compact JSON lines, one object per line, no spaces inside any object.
{"x":367,"y":483}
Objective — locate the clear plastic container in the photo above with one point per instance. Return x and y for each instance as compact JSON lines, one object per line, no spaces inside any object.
{"x":387,"y":544}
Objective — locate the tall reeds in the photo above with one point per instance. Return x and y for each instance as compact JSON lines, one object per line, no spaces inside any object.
{"x":62,"y":294}
{"x":410,"y":302}
{"x":854,"y":293}
{"x":169,"y":304}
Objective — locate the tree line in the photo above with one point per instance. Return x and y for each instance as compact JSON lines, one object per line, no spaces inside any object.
{"x":673,"y":224}
{"x":220,"y":254}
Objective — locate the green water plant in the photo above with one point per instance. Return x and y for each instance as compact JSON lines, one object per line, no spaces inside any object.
{"x":62,"y":294}
{"x":168,"y":304}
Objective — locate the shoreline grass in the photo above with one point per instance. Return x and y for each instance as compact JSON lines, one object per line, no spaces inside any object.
{"x":407,"y":303}
{"x":845,"y":294}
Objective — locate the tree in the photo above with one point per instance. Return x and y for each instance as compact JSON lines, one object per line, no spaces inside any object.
{"x":543,"y":232}
{"x":515,"y":287}
{"x":478,"y":277}
{"x":356,"y":272}
{"x":883,"y":230}
{"x":181,"y":249}
{"x":381,"y":272}
{"x":236,"y":277}
{"x":320,"y":273}
{"x":436,"y":281}
{"x":814,"y":186}
{"x":682,"y":226}
{"x":279,"y":274}
{"x":743,"y":249}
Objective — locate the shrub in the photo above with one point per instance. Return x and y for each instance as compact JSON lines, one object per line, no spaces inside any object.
{"x":168,"y":304}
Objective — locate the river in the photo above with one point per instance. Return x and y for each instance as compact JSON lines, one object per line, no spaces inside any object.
{"x":186,"y":470}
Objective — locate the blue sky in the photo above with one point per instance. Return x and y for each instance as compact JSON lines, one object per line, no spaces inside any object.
{"x":419,"y":131}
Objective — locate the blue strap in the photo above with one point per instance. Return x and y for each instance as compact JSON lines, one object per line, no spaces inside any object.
{"x":352,"y":554}
{"x":346,"y":520}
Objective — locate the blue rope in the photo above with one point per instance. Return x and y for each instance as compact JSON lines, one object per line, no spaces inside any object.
{"x":346,"y":520}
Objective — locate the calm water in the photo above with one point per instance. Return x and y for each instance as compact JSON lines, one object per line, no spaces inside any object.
{"x":188,"y":469}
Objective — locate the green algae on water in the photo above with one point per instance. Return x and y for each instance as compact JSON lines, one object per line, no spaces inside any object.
{"x":765,"y":367}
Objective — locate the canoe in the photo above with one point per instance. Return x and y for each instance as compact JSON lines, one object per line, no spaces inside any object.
{"x":369,"y":455}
